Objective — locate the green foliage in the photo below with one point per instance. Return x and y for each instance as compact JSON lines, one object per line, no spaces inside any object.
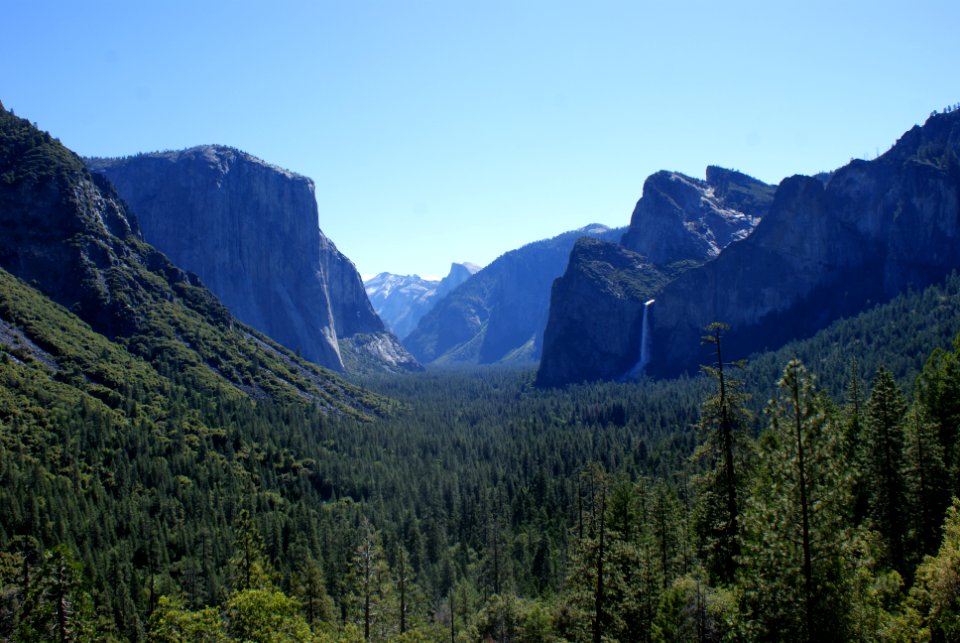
{"x":690,"y":610}
{"x":249,"y":569}
{"x":182,"y":478}
{"x":29,"y":156}
{"x":926,"y":484}
{"x":372,"y":600}
{"x":797,"y":520}
{"x":507,"y":618}
{"x":883,"y":446}
{"x":724,"y":452}
{"x":265,"y":615}
{"x":936,"y":594}
{"x":171,"y":622}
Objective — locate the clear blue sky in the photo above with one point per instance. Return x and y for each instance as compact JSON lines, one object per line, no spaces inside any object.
{"x":457,"y":130}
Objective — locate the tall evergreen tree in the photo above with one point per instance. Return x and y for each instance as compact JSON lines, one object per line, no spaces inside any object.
{"x":854,"y":411}
{"x":883,"y":457}
{"x":934,"y":597}
{"x":939,"y":390}
{"x":59,"y":605}
{"x":797,"y":518}
{"x":249,"y":568}
{"x":925,"y":482}
{"x":723,"y":418}
{"x":372,"y":591}
{"x":312,"y":592}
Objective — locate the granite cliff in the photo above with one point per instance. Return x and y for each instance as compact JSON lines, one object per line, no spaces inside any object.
{"x":601,"y":340}
{"x":249,"y":230}
{"x":499,"y":314}
{"x":827,"y":247}
{"x":680,"y":217}
{"x":68,"y":236}
{"x":596,"y":308}
{"x":825,"y":251}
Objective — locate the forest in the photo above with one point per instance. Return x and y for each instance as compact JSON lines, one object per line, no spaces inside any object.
{"x":808,"y":494}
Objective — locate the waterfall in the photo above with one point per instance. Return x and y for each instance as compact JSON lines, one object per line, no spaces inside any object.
{"x":644,"y":343}
{"x":645,"y":338}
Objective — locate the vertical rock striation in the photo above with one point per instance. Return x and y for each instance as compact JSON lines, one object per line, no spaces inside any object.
{"x":249,"y":230}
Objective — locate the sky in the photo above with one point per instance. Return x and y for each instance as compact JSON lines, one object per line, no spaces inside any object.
{"x":457,"y":130}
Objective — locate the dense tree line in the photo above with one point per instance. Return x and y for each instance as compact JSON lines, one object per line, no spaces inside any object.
{"x":742,"y":505}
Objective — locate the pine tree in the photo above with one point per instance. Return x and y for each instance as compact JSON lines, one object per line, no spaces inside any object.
{"x":883,"y":457}
{"x":495,"y":567}
{"x":312,"y":591}
{"x":933,"y":599}
{"x":797,"y":518}
{"x":925,"y":482}
{"x":939,"y":390}
{"x":372,"y":592}
{"x":723,"y":418}
{"x":587,"y":578}
{"x":60,"y":608}
{"x":249,"y":568}
{"x":854,"y":411}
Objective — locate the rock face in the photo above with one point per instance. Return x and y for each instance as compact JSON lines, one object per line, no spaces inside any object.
{"x":827,"y":247}
{"x":600,"y":340}
{"x":401,"y":301}
{"x":680,"y":217}
{"x":825,"y":251}
{"x":499,"y":314}
{"x":596,"y":309}
{"x":69,"y":235}
{"x":249,"y":230}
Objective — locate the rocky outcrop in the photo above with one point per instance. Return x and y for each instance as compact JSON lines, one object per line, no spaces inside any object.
{"x":602,"y":340}
{"x":249,"y":230}
{"x":500,"y":313}
{"x":827,"y":247}
{"x":825,"y":251}
{"x":593,"y":330}
{"x":681,"y":218}
{"x":401,"y":301}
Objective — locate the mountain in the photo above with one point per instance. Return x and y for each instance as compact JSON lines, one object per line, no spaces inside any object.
{"x":498,"y":315}
{"x":249,"y":230}
{"x":402,"y":300}
{"x":826,"y":251}
{"x":828,"y":247}
{"x":680,"y":217}
{"x":597,"y":307}
{"x":131,"y":319}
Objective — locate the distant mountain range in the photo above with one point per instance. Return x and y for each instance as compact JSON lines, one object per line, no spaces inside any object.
{"x":824,"y":248}
{"x":249,"y":230}
{"x":402,"y":300}
{"x":498,"y":315}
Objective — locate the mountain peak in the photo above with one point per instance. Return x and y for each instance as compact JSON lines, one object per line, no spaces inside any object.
{"x":683,"y":218}
{"x":249,"y":230}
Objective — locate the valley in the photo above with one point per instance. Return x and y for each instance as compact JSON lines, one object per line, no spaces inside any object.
{"x":208,"y":433}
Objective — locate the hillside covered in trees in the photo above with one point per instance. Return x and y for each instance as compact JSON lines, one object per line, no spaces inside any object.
{"x":763,"y":503}
{"x":169,"y":474}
